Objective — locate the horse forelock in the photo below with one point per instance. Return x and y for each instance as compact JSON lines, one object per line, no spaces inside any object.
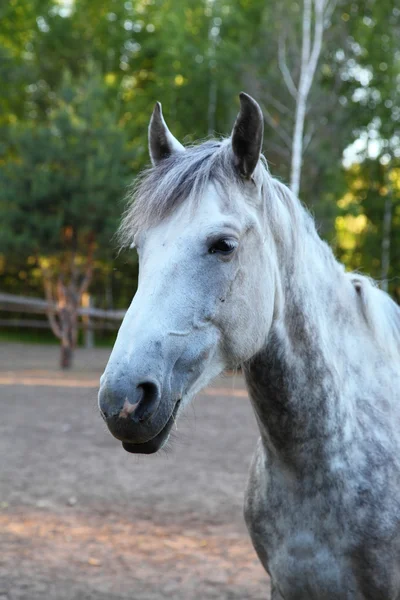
{"x":179,"y":178}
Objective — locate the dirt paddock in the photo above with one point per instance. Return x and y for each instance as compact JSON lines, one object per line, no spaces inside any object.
{"x":81,"y":519}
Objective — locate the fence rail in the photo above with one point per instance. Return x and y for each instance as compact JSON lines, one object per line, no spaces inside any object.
{"x":93,"y":319}
{"x":44,"y":324}
{"x":13,"y":303}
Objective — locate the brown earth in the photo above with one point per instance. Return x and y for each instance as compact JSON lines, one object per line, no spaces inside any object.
{"x":80,"y":519}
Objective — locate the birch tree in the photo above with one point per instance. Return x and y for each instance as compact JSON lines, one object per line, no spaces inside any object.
{"x":315,"y":19}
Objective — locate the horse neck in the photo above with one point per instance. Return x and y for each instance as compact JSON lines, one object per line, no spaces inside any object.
{"x":296,"y":381}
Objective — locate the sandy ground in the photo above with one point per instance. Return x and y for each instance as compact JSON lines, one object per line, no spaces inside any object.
{"x":80,"y":519}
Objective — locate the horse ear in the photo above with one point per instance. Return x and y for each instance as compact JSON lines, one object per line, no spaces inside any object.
{"x":161,"y":141}
{"x":247,"y":135}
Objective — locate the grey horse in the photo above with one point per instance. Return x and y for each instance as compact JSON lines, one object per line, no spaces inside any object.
{"x":233,"y":272}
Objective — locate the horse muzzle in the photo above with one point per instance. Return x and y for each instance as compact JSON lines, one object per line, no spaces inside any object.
{"x":137,"y":414}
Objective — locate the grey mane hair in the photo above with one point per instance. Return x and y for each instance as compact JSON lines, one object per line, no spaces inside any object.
{"x":381,"y":313}
{"x":283,"y":213}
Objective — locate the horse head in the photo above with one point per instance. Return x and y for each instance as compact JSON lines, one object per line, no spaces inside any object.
{"x":206,"y":295}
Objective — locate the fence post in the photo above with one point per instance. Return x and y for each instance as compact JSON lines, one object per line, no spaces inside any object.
{"x":88,"y":332}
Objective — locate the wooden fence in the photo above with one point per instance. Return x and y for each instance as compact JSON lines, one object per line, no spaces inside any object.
{"x":91,"y":318}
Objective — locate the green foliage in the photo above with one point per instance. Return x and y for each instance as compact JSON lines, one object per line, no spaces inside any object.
{"x":370,"y":69}
{"x":61,"y":179}
{"x":18,"y":30}
{"x":361,"y":219}
{"x":79,"y":83}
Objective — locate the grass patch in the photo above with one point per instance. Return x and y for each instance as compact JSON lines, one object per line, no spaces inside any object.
{"x":29,"y":336}
{"x":46,"y":337}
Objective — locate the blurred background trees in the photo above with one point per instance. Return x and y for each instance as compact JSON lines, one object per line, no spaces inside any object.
{"x":79,"y":80}
{"x":60,"y":181}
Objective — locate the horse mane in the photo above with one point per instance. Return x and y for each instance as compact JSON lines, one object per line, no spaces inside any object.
{"x":381,"y":313}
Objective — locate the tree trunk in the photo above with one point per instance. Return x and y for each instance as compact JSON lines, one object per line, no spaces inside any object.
{"x":309,"y":60}
{"x":66,"y":318}
{"x":310,"y":53}
{"x":87,"y":323}
{"x":66,"y":356}
{"x":64,"y":300}
{"x":297,"y":147}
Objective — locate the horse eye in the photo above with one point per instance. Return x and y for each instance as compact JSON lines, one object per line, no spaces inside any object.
{"x":223,"y":246}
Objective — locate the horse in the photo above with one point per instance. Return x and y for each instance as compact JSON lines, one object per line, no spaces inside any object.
{"x":233,"y":273}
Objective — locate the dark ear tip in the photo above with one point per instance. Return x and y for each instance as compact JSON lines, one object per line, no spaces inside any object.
{"x":245,"y":97}
{"x":157,"y":109}
{"x":248,"y":101}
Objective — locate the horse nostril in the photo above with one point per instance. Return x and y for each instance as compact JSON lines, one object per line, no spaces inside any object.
{"x":125,"y":400}
{"x":148,"y":401}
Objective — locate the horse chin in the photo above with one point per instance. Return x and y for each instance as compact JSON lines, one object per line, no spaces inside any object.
{"x":157,"y":442}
